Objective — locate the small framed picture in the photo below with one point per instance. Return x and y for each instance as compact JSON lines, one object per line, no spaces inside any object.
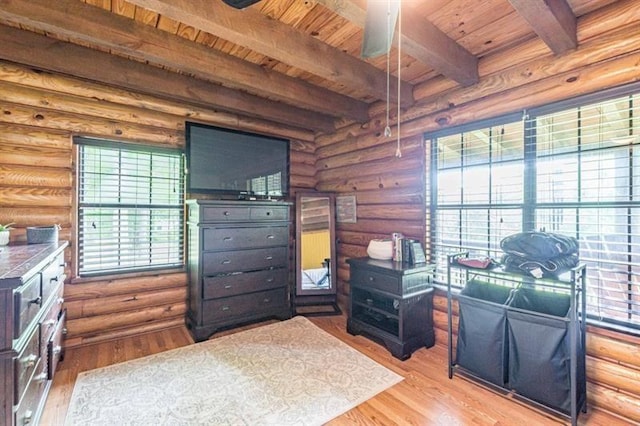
{"x":346,"y":209}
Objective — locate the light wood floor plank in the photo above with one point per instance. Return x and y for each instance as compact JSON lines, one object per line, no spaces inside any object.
{"x":425,"y":397}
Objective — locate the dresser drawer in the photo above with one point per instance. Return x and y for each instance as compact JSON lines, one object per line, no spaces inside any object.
{"x":225,"y":213}
{"x":55,"y":351}
{"x":375,"y":280}
{"x":238,"y":238}
{"x":52,"y":275}
{"x":28,"y":406}
{"x":28,"y":301}
{"x":243,"y":260}
{"x":26,"y":364}
{"x":269,"y":213}
{"x":234,"y":284}
{"x":49,"y":322}
{"x":252,"y":303}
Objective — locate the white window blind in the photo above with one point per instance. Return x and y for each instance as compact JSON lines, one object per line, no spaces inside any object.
{"x":572,"y":169}
{"x":130,"y":208}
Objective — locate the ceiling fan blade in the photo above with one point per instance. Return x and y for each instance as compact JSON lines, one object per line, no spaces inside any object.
{"x":379,"y":27}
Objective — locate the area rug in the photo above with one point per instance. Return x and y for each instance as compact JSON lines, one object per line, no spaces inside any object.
{"x":285,"y":373}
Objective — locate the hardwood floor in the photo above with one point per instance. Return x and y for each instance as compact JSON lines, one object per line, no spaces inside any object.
{"x":425,"y":397}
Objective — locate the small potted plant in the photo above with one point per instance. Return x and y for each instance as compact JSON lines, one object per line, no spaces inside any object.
{"x":4,"y":234}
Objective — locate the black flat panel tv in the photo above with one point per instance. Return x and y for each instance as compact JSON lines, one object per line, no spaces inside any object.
{"x":224,"y":161}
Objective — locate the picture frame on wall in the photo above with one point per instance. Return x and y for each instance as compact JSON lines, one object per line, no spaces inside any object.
{"x":346,"y":209}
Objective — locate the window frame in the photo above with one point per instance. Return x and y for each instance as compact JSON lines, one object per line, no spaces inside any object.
{"x":178,"y":262}
{"x":530,"y":206}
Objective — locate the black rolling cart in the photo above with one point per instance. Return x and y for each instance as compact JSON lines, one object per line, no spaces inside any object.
{"x":522,"y":335}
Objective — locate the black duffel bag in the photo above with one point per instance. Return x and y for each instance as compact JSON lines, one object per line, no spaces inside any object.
{"x":539,"y":246}
{"x":550,"y":268}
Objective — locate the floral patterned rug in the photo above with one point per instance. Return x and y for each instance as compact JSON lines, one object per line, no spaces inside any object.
{"x":285,"y":373}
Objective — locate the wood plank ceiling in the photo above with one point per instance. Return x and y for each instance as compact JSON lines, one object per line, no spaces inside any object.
{"x":295,"y":62}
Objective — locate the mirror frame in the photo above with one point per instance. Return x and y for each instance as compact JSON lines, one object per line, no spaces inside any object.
{"x":308,"y":297}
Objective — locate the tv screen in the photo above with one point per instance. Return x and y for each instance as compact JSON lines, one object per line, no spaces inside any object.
{"x":227,"y":161}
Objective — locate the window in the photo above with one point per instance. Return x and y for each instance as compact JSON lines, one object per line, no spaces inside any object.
{"x":130,"y":208}
{"x":571,"y":168}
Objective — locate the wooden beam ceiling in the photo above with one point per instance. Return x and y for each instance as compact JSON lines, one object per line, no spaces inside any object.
{"x":42,"y":52}
{"x":421,"y":40}
{"x":552,"y":20}
{"x":272,"y":38}
{"x":95,"y":26}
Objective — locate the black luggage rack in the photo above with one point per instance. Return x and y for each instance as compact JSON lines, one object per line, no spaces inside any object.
{"x":522,"y":330}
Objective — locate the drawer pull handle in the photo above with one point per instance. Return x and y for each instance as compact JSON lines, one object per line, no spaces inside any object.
{"x":54,"y":279}
{"x":371,"y":279}
{"x":369,"y":301}
{"x":270,"y":280}
{"x":228,"y":286}
{"x":64,"y":331}
{"x":41,"y":377}
{"x":225,"y":308}
{"x":57,"y":350}
{"x":269,"y":213}
{"x":225,"y":239}
{"x":226,"y":213}
{"x":30,"y":360}
{"x":36,"y":301}
{"x":60,"y":300}
{"x":266,"y":300}
{"x":226,"y":262}
{"x":269,"y":257}
{"x":270,"y":237}
{"x":27,"y":417}
{"x":49,"y":323}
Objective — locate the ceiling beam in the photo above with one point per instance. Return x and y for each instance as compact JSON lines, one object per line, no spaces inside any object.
{"x":270,"y":37}
{"x":420,"y":39}
{"x":553,"y":21}
{"x":38,"y":51}
{"x":96,"y":26}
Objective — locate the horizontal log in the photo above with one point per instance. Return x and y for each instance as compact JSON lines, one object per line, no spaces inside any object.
{"x":410,"y":161}
{"x":358,"y":238}
{"x":302,"y":169}
{"x":303,"y":146}
{"x":30,"y":137}
{"x":90,"y":126}
{"x":397,"y":179}
{"x":34,"y":197}
{"x":614,"y":375}
{"x":100,"y":324}
{"x":71,"y":342}
{"x":35,"y":156}
{"x":40,"y":216}
{"x":616,"y":350}
{"x":349,"y":152}
{"x":392,"y":212}
{"x":617,"y":403}
{"x":348,"y":251}
{"x":125,"y":302}
{"x":300,"y":157}
{"x":413,"y":227}
{"x":118,"y":286}
{"x":34,"y":176}
{"x":302,"y":181}
{"x":73,"y":104}
{"x":391,"y":196}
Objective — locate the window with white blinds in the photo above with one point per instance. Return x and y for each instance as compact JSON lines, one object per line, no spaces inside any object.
{"x":571,"y":168}
{"x":130,"y":208}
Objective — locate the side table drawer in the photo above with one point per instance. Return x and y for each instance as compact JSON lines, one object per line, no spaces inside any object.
{"x":225,"y":213}
{"x":26,"y":363}
{"x":376,"y":280}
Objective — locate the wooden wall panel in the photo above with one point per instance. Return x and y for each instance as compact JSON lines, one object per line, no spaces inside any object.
{"x":40,"y":113}
{"x":358,"y":159}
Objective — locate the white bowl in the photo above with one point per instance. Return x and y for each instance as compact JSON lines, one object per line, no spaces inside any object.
{"x":380,"y":249}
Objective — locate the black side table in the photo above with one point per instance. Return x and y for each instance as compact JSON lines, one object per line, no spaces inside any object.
{"x":392,"y":303}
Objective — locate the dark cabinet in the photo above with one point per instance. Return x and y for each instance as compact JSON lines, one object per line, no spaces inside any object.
{"x":392,"y":303}
{"x":31,"y":328}
{"x":238,"y":262}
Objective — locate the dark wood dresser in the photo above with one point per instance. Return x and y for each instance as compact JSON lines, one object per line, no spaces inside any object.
{"x":392,"y":303}
{"x":31,"y":286}
{"x":238,"y":262}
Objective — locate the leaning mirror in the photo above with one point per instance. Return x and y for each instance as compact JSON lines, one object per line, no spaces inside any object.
{"x":316,"y":290}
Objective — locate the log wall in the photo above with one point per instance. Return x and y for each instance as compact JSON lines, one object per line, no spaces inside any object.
{"x":390,"y":193}
{"x":39,"y":114}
